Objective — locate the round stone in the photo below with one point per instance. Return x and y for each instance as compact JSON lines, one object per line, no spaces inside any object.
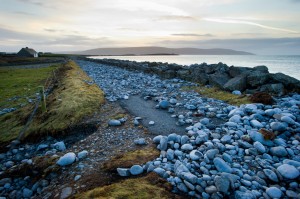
{"x":288,"y":171}
{"x":67,"y":159}
{"x":274,"y":192}
{"x":164,"y":104}
{"x":136,"y":170}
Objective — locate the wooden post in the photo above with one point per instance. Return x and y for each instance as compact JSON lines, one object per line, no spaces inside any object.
{"x":43,"y":99}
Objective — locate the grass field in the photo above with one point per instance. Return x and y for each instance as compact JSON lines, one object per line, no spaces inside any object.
{"x":17,"y":84}
{"x":71,"y":100}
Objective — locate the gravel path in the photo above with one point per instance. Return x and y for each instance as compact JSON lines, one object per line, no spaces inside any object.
{"x":164,"y":124}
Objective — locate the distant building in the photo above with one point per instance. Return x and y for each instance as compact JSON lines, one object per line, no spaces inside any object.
{"x":27,"y":52}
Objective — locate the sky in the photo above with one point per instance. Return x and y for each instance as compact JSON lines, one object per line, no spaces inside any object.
{"x":257,"y":26}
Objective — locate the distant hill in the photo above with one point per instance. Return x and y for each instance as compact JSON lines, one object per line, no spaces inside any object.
{"x":152,"y":50}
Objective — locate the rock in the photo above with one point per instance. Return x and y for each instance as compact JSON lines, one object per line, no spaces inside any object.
{"x":275,"y":89}
{"x":67,"y":159}
{"x":42,"y":147}
{"x":81,"y":155}
{"x":279,"y":151}
{"x":163,"y":143}
{"x":157,"y":139}
{"x":66,"y":192}
{"x":211,"y":153}
{"x":274,"y":192}
{"x":226,"y":139}
{"x":260,"y":148}
{"x":164,"y":104}
{"x":288,"y":171}
{"x":278,"y":126}
{"x":187,"y":147}
{"x":221,"y":165}
{"x":211,"y":189}
{"x":190,"y":177}
{"x":60,"y":146}
{"x":271,"y":175}
{"x":9,"y":164}
{"x":256,"y":136}
{"x":236,"y":92}
{"x":170,"y":154}
{"x":151,"y":123}
{"x":289,"y":82}
{"x":257,"y":78}
{"x":256,"y":124}
{"x":204,"y":121}
{"x":195,"y":155}
{"x":27,"y":193}
{"x":287,"y":119}
{"x":238,"y":83}
{"x":222,"y":184}
{"x":244,"y":195}
{"x":77,"y":177}
{"x":235,"y":119}
{"x":136,"y":170}
{"x":123,"y":172}
{"x":114,"y":123}
{"x":218,"y":79}
{"x":3,"y":181}
{"x":140,"y":141}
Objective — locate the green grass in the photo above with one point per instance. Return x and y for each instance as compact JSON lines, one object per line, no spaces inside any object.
{"x":21,"y":83}
{"x":216,"y":93}
{"x":150,"y":186}
{"x":68,"y":104}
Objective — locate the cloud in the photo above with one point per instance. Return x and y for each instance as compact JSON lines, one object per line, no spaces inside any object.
{"x":176,"y":18}
{"x":34,"y":2}
{"x":192,"y":35}
{"x":24,"y":13}
{"x":238,"y":21}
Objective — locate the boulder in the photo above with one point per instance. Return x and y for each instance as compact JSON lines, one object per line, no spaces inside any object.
{"x":289,"y":83}
{"x":257,"y":78}
{"x":67,"y":159}
{"x":218,"y":79}
{"x":236,"y":71}
{"x":183,"y":74}
{"x":237,"y":83}
{"x":277,"y":89}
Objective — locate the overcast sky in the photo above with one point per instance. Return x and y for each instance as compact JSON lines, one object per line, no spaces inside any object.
{"x":258,"y":26}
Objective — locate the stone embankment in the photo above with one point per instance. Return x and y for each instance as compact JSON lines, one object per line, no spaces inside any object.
{"x":244,"y":79}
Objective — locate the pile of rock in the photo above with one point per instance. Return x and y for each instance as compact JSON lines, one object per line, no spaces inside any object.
{"x":236,"y":159}
{"x":20,"y":175}
{"x":231,"y":78}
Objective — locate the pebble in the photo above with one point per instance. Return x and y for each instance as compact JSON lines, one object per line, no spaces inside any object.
{"x":60,"y":146}
{"x":151,"y":123}
{"x":274,"y":192}
{"x":136,"y":170}
{"x":66,"y":192}
{"x":67,"y":159}
{"x":27,"y":193}
{"x":123,"y":172}
{"x":279,"y":151}
{"x":288,"y":171}
{"x":83,"y":154}
{"x":140,"y":141}
{"x":271,"y":175}
{"x":260,"y":148}
{"x":114,"y":123}
{"x":221,"y":165}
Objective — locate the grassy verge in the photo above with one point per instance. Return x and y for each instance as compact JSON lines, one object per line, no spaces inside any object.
{"x":71,"y":100}
{"x":150,"y":186}
{"x":216,"y":93}
{"x":18,"y":84}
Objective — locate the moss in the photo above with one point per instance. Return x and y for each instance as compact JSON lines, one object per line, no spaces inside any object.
{"x":150,"y":186}
{"x":130,"y":158}
{"x":71,"y":101}
{"x":216,"y":93}
{"x":118,"y":116}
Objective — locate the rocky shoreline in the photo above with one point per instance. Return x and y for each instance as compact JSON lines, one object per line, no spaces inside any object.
{"x":247,"y":151}
{"x":230,"y":78}
{"x":255,"y":153}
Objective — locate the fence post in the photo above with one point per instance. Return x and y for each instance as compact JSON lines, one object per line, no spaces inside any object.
{"x":43,"y":99}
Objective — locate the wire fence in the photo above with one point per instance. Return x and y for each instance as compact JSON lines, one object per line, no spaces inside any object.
{"x":44,"y":91}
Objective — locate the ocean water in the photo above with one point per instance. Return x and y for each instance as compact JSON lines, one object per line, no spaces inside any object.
{"x":287,"y":64}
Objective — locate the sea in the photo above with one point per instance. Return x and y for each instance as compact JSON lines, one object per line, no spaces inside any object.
{"x":287,"y":64}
